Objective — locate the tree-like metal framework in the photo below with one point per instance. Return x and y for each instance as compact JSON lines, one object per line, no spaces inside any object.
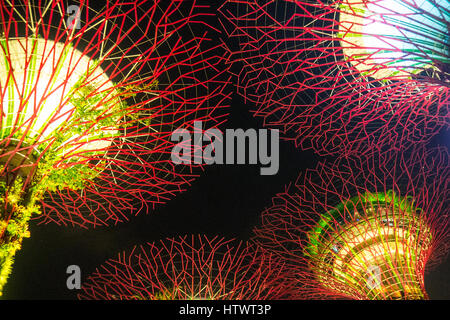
{"x":343,"y":75}
{"x":189,"y":268}
{"x":363,"y":229}
{"x":90,"y":98}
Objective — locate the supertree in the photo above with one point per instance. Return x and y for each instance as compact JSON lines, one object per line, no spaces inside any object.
{"x":363,"y":229}
{"x":343,"y":75}
{"x":189,"y":268}
{"x":90,"y":98}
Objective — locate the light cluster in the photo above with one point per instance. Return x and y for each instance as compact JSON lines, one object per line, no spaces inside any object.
{"x":365,"y":228}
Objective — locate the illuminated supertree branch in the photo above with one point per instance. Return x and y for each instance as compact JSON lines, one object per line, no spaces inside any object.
{"x":343,"y":75}
{"x":189,"y":268}
{"x":363,"y":229}
{"x":89,"y":102}
{"x":396,"y":38}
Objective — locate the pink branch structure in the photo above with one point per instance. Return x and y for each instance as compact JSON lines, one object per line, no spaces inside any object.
{"x":189,"y":268}
{"x":364,"y":228}
{"x":343,"y":76}
{"x":90,"y":99}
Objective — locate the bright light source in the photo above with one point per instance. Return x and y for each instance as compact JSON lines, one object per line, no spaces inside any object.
{"x":39,"y":81}
{"x":386,"y":38}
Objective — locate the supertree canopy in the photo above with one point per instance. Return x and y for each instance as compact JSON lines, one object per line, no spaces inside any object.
{"x":89,"y":99}
{"x":363,"y":229}
{"x":189,"y":268}
{"x":343,"y":75}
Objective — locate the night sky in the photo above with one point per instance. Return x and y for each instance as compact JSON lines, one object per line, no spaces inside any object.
{"x":226,"y":200}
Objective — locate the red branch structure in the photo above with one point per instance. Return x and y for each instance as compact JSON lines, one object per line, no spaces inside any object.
{"x":189,"y":268}
{"x":343,"y":76}
{"x":89,"y":101}
{"x":363,"y":229}
{"x":141,"y":69}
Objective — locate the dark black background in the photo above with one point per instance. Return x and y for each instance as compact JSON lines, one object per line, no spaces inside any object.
{"x":226,"y":200}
